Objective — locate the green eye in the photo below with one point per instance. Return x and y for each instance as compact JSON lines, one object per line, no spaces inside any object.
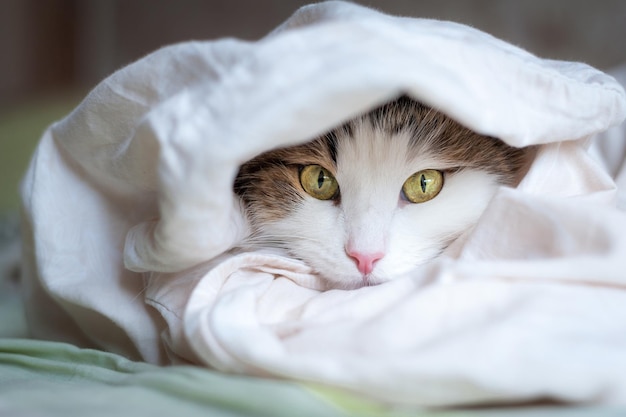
{"x":318,"y":182}
{"x":423,"y":186}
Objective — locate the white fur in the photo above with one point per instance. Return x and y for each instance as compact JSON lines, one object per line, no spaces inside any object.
{"x":373,"y":217}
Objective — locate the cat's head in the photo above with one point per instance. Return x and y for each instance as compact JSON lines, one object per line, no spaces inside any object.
{"x":377,"y":197}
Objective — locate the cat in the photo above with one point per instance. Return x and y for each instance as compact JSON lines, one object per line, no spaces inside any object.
{"x":377,"y":197}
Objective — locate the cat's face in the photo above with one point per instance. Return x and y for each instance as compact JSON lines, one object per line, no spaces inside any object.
{"x":378,"y":197}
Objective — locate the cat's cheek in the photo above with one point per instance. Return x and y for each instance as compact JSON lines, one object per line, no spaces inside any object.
{"x":314,"y":233}
{"x":337,"y":269}
{"x":417,"y":235}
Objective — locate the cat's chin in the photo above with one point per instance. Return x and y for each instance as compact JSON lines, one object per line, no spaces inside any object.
{"x":346,"y":285}
{"x":352,"y":282}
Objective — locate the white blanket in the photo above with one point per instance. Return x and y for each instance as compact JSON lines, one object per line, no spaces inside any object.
{"x":129,"y":210}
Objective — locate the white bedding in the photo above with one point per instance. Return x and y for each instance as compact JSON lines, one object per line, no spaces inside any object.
{"x":129,"y":210}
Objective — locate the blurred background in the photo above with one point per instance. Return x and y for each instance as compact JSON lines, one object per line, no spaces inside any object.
{"x":54,"y":51}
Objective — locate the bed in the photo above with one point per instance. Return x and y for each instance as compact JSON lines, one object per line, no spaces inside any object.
{"x":44,"y":378}
{"x":135,"y":311}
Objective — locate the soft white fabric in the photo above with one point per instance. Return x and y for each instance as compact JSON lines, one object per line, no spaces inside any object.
{"x":129,"y":212}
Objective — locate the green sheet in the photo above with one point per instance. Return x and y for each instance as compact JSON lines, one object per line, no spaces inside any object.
{"x":60,"y":380}
{"x":57,"y":379}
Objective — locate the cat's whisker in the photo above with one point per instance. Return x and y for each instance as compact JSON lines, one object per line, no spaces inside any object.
{"x":140,"y":294}
{"x":285,"y":240}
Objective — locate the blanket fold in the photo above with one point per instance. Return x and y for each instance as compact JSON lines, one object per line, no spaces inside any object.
{"x":130,"y":216}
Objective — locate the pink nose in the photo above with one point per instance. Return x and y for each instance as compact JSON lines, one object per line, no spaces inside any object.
{"x":365,"y":261}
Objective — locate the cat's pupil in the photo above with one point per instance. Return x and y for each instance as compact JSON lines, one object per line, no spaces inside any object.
{"x":423,"y":183}
{"x":320,"y":179}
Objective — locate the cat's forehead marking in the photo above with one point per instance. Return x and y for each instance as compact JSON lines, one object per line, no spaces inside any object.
{"x":373,"y":152}
{"x":427,"y":136}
